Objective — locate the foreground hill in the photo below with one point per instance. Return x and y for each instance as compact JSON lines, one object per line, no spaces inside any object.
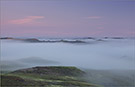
{"x":53,"y":76}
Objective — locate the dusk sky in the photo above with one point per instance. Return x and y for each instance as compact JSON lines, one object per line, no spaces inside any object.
{"x":67,"y":18}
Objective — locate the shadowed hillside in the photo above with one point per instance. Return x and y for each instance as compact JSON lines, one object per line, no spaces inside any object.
{"x":52,"y":70}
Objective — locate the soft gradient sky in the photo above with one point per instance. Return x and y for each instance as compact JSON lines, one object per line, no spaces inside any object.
{"x":67,"y":18}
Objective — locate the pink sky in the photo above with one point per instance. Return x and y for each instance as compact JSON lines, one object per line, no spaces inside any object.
{"x":67,"y":18}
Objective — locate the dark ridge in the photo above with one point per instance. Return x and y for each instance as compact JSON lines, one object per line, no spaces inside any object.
{"x":32,"y":40}
{"x":90,"y":38}
{"x":64,"y":41}
{"x":99,"y":40}
{"x":52,"y":70}
{"x":6,"y":38}
{"x":76,"y":41}
{"x":106,"y":37}
{"x":35,"y":40}
{"x":117,"y":38}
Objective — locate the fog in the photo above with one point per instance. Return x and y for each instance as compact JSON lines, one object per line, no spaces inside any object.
{"x":109,"y":54}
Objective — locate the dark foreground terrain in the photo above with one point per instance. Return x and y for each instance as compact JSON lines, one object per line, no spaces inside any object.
{"x":51,"y":76}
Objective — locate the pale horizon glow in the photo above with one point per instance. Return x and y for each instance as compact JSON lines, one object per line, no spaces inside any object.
{"x":26,"y":20}
{"x":57,"y":18}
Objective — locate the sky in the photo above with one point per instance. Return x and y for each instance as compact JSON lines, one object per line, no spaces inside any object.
{"x":67,"y":18}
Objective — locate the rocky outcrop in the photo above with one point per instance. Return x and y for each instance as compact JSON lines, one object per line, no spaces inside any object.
{"x":52,"y":70}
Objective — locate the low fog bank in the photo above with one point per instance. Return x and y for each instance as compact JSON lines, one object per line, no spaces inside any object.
{"x":109,"y":54}
{"x":111,"y":78}
{"x":81,"y":40}
{"x":106,"y":61}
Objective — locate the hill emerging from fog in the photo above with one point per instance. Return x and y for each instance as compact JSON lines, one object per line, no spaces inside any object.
{"x":37,"y":60}
{"x":10,"y":65}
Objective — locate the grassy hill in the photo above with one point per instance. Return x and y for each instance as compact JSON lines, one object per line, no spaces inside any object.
{"x":49,"y":76}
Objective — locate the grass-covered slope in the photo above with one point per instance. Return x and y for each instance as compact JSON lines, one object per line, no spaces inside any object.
{"x":54,"y":76}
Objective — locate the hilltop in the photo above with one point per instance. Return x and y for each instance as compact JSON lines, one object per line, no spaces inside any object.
{"x":52,"y":70}
{"x":48,"y":76}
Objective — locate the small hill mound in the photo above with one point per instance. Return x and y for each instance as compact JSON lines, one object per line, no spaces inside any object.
{"x":37,"y":60}
{"x":52,"y":70}
{"x":6,"y":66}
{"x":32,"y":40}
